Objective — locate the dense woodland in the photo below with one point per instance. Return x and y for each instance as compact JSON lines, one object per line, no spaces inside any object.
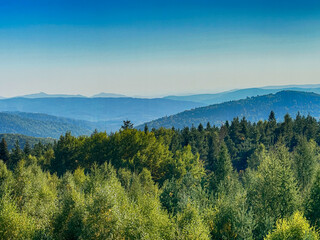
{"x":11,"y":140}
{"x":242,"y":180}
{"x":253,"y":109}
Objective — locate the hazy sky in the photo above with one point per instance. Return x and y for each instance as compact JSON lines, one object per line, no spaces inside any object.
{"x":156,"y":47}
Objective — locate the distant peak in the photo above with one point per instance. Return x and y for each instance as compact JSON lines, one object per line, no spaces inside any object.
{"x":46,"y":95}
{"x":108,"y":95}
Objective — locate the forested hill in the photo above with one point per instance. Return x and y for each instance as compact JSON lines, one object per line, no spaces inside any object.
{"x":253,"y":109}
{"x":11,"y":140}
{"x":42,"y":125}
{"x":209,"y":99}
{"x":110,"y":110}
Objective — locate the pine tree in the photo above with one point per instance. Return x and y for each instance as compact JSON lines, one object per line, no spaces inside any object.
{"x":286,"y":129}
{"x":273,"y":191}
{"x":4,"y":152}
{"x":272,"y":117}
{"x":146,"y":129}
{"x":16,"y":154}
{"x":313,"y":201}
{"x":200,"y":128}
{"x":27,"y":149}
{"x":255,"y":159}
{"x":208,"y":128}
{"x":222,"y":168}
{"x":127,"y":124}
{"x":271,"y":128}
{"x":213,"y":150}
{"x":305,"y":162}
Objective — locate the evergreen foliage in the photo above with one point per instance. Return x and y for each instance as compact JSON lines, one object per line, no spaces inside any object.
{"x":4,"y":152}
{"x":294,"y":228}
{"x":239,"y":181}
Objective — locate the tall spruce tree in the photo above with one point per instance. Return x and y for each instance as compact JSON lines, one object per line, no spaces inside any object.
{"x":222,"y":168}
{"x":213,"y":150}
{"x":273,"y":191}
{"x":4,"y":152}
{"x":27,"y":149}
{"x":305,"y":162}
{"x":313,"y":201}
{"x":16,"y":154}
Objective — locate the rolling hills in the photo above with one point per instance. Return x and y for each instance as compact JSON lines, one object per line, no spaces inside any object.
{"x":42,"y":125}
{"x":232,"y":95}
{"x":254,"y":109}
{"x":108,"y":113}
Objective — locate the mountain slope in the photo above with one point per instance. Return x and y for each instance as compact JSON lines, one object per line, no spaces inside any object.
{"x":12,"y":138}
{"x":42,"y":125}
{"x":238,"y":94}
{"x":112,"y":111}
{"x":254,"y":109}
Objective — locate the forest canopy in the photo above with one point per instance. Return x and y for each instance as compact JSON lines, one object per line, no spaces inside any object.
{"x":242,"y":180}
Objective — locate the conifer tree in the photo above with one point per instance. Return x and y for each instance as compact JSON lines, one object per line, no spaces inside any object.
{"x":305,"y":162}
{"x":208,"y":128}
{"x":4,"y":152}
{"x":313,"y":201}
{"x":273,"y":191}
{"x":27,"y":149}
{"x":255,"y":159}
{"x":146,"y":129}
{"x":200,"y":127}
{"x":127,"y":124}
{"x":286,"y":130}
{"x":213,"y":150}
{"x":222,"y":167}
{"x":271,"y":128}
{"x":16,"y":154}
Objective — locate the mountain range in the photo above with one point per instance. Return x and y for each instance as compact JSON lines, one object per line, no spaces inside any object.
{"x":46,"y":95}
{"x":253,"y":109}
{"x":45,"y":115}
{"x":106,"y":112}
{"x":226,"y":96}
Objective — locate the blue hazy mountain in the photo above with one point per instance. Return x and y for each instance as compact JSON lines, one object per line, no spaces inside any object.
{"x":108,"y":113}
{"x":215,"y":98}
{"x":45,"y":95}
{"x":107,"y":95}
{"x":253,"y":109}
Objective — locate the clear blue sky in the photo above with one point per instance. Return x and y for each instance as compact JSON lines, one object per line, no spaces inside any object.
{"x":155,"y":47}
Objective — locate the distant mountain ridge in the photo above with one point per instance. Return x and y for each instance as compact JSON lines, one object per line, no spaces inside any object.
{"x":253,"y":109}
{"x":108,"y":112}
{"x":238,"y":94}
{"x":107,"y":95}
{"x":45,"y":95}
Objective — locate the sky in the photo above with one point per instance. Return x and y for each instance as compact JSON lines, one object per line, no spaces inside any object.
{"x":156,"y":48}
